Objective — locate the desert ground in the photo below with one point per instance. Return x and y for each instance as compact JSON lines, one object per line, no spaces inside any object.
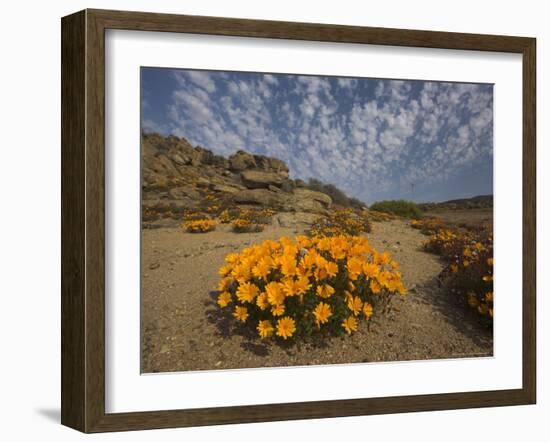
{"x":184,"y":329}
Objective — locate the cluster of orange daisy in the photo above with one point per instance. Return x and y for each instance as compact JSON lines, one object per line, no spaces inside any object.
{"x":199,"y":225}
{"x":341,"y":222}
{"x":298,"y":287}
{"x":428,"y":226}
{"x":469,"y":270}
{"x":243,"y":225}
{"x":444,"y":240}
{"x":254,"y":216}
{"x":376,"y":216}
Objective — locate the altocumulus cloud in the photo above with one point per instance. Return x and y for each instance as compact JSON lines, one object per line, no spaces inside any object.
{"x":374,"y":138}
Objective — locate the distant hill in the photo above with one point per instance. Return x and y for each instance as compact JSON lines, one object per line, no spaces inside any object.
{"x":476,"y":202}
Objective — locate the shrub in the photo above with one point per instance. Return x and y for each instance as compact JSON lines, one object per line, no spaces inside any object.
{"x":200,"y":226}
{"x":469,"y":266}
{"x":376,"y":216}
{"x":470,"y":275}
{"x":255,"y":216}
{"x":149,"y":214}
{"x":241,"y":225}
{"x":443,"y":242}
{"x":296,"y":288}
{"x":213,"y":209}
{"x":341,"y":222}
{"x":247,"y":220}
{"x":406,"y":209}
{"x":427,"y":226}
{"x":195,"y":216}
{"x":229,"y":215}
{"x":338,"y":196}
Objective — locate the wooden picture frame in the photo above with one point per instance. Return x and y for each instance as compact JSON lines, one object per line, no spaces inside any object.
{"x":83,"y":220}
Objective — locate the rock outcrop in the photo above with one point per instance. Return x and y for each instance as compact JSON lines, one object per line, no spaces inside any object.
{"x":178,"y":177}
{"x":255,"y":179}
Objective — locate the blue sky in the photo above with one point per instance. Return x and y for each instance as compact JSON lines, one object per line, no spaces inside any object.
{"x":373,"y":138}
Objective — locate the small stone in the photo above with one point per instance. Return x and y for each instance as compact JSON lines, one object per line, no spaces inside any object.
{"x":154,"y":266}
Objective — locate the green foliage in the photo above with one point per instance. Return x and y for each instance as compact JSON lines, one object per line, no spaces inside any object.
{"x":406,"y":209}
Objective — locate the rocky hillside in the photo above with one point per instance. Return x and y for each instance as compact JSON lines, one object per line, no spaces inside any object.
{"x":178,"y":178}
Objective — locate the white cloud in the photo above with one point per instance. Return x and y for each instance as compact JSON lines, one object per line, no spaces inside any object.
{"x":314,"y":85}
{"x":270,"y":79}
{"x":347,"y":83}
{"x":192,"y":106}
{"x":233,"y":88}
{"x":398,"y":133}
{"x":203,"y":80}
{"x":152,"y":126}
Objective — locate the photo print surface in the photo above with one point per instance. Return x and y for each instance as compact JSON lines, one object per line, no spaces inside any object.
{"x":292,"y":220}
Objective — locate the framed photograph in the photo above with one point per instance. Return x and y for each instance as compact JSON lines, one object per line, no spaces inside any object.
{"x":267,"y":221}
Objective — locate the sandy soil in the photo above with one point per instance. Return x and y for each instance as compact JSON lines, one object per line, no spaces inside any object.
{"x":184,"y":329}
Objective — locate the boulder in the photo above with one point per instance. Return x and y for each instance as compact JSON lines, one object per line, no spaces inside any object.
{"x":162,"y":206}
{"x":203,"y":182}
{"x":241,"y":160}
{"x":178,"y":159}
{"x":225,"y":188}
{"x":148,"y":150}
{"x":321,"y":197}
{"x":156,"y":205}
{"x":261,"y":197}
{"x":306,"y":205}
{"x":296,"y":219}
{"x":178,"y":150}
{"x":210,"y":158}
{"x":181,"y":205}
{"x":274,"y":188}
{"x":182,"y":153}
{"x":305,"y":200}
{"x":168,"y":166}
{"x":154,"y":181}
{"x":271,"y":164}
{"x":301,"y":200}
{"x":288,"y":185}
{"x":183,"y":192}
{"x":257,"y":179}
